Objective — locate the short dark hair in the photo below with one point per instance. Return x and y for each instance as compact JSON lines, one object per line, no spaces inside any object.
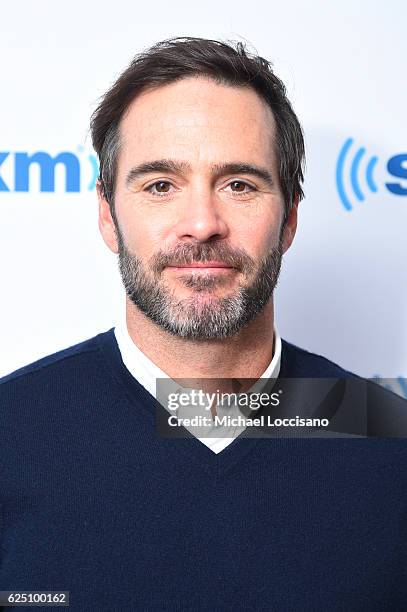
{"x":226,"y":63}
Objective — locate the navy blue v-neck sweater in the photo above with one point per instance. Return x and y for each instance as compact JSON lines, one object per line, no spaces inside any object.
{"x":93,"y":502}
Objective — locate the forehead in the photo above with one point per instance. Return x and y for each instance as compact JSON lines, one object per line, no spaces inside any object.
{"x":198,"y":120}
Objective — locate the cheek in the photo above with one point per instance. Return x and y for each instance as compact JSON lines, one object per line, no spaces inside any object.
{"x":258,"y":237}
{"x":258,"y":226}
{"x":143,"y":236}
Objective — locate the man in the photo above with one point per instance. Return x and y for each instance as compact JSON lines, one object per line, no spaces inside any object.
{"x":200,"y":179}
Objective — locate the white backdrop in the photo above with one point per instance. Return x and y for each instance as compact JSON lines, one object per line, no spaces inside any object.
{"x":343,"y":290}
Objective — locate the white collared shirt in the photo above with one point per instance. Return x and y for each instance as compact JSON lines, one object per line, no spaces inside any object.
{"x":146,"y":373}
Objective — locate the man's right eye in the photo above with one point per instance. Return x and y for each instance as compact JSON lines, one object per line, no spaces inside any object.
{"x":159,"y":188}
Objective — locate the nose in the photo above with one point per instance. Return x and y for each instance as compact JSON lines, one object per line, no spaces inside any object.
{"x":201,"y":218}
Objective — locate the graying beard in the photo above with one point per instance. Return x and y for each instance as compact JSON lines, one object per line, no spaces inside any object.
{"x":209,"y":321}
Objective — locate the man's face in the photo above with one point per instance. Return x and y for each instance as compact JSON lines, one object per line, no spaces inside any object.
{"x":199,"y":207}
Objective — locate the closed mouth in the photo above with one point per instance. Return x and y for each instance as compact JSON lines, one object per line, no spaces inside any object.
{"x":205,"y":264}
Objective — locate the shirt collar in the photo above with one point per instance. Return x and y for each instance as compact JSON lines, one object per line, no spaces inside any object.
{"x":147,"y":372}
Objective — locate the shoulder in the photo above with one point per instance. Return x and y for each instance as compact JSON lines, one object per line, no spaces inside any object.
{"x":298,"y":362}
{"x":381,"y":412}
{"x":60,"y":363}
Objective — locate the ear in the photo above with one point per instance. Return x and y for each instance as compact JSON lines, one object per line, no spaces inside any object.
{"x":106,"y":223}
{"x":290,"y":225}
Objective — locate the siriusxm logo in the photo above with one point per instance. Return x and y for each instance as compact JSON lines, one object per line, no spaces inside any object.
{"x":17,"y":176}
{"x":360,"y":169}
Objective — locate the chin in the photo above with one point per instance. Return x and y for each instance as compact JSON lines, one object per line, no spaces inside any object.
{"x":203,"y":295}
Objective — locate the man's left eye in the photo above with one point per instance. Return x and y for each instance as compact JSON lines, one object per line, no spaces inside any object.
{"x":240,"y":187}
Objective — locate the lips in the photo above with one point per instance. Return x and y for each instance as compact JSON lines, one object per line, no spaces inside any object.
{"x":205,"y":264}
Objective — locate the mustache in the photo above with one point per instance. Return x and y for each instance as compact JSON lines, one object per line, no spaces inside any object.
{"x":188,"y":253}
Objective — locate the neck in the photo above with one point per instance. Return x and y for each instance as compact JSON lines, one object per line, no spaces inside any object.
{"x":245,"y":355}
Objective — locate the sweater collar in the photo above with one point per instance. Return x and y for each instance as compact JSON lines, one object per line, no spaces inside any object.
{"x":147,"y":372}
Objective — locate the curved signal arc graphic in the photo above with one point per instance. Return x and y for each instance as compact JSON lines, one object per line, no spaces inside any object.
{"x":369,"y":173}
{"x":339,"y":173}
{"x":354,"y":174}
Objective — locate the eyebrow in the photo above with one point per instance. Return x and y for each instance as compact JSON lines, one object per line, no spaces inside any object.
{"x":182,"y":167}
